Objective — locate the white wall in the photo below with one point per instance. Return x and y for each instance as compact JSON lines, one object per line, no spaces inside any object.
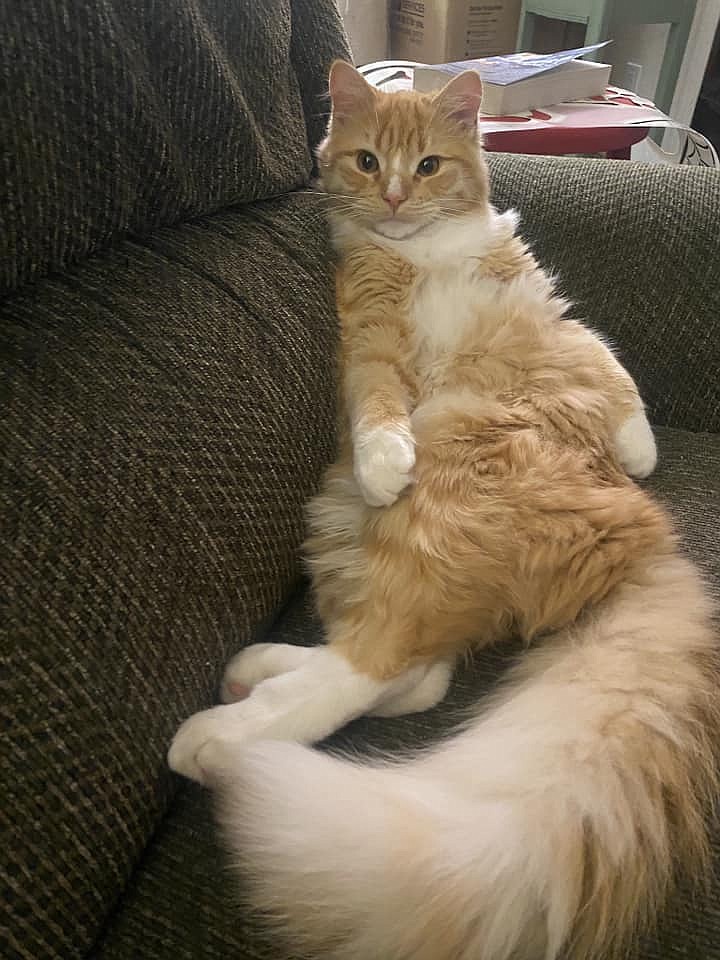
{"x":702,"y":34}
{"x":646,"y":45}
{"x":640,"y":44}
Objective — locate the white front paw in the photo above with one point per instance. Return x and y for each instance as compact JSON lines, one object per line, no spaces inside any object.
{"x":384,"y":459}
{"x":635,"y":446}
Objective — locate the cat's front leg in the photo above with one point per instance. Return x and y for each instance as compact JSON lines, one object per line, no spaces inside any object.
{"x":635,"y":444}
{"x":378,"y":391}
{"x":383,"y":458}
{"x":630,"y":431}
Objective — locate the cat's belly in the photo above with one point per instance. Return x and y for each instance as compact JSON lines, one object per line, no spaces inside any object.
{"x":498,"y":515}
{"x":449,"y":304}
{"x":507,"y":466}
{"x":478,"y":328}
{"x":478,"y":458}
{"x":516,"y":433}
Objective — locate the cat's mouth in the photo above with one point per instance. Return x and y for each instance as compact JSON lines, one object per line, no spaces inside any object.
{"x":395,"y":229}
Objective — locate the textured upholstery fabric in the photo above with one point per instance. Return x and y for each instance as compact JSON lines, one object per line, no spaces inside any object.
{"x":637,"y":248}
{"x":184,"y":905}
{"x":120,"y":116}
{"x":170,"y":407}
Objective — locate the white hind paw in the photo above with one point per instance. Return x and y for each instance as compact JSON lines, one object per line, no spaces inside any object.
{"x":427,"y":693}
{"x":208,"y":741}
{"x":199,"y":730}
{"x":635,"y":446}
{"x":257,"y":663}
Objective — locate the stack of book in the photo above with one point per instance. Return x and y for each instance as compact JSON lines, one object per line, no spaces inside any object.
{"x":522,"y":81}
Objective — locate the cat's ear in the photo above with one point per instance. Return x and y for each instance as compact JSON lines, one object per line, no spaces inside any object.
{"x":460,"y":98}
{"x":349,"y":90}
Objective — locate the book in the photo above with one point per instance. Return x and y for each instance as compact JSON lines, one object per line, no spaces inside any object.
{"x":523,"y":81}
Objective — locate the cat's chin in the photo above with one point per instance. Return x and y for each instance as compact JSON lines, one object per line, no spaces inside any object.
{"x":399,"y":229}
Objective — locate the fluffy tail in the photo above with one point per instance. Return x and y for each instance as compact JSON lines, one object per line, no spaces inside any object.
{"x":554,"y":822}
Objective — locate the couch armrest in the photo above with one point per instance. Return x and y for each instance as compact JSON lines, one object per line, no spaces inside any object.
{"x":169,"y":409}
{"x":637,"y":249}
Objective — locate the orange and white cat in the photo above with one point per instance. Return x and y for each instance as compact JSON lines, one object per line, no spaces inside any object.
{"x":482,"y":491}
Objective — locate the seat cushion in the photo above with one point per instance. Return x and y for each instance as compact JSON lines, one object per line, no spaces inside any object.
{"x":183,"y":903}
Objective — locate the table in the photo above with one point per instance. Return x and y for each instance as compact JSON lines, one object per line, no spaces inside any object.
{"x":614,"y":142}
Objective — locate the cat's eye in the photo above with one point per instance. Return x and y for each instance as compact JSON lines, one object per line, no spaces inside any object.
{"x":367,"y":161}
{"x":428,"y":166}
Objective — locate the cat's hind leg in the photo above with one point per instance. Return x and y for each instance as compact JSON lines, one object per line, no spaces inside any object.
{"x":303,"y":705}
{"x":260,"y":661}
{"x":427,"y":693}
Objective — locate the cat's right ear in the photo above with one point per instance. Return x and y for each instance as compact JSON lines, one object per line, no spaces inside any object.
{"x":349,"y":90}
{"x":460,"y":99}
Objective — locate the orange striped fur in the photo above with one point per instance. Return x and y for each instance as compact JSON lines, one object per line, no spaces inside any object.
{"x":484,"y":489}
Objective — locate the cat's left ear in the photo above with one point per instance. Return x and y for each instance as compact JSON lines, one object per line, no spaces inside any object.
{"x":460,"y":99}
{"x":349,"y":90}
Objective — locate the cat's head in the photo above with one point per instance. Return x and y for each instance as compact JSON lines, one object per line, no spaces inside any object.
{"x":397,"y":163}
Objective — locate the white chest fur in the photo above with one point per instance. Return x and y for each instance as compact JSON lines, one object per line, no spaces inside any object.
{"x":447,"y":304}
{"x":451,"y":293}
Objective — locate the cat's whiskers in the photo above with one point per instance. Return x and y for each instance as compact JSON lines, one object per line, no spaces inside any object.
{"x":327,"y":194}
{"x":477,"y":200}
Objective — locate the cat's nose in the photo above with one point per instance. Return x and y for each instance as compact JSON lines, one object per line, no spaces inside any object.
{"x":394,"y":199}
{"x":394,"y":195}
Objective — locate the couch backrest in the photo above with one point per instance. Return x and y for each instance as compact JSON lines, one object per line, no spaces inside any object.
{"x":117,"y":118}
{"x":635,"y":248}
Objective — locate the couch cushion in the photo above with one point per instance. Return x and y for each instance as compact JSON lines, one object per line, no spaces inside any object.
{"x":167,"y":411}
{"x":120,"y":117}
{"x":182,"y":903}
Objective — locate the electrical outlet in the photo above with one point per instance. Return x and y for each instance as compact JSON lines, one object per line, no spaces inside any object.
{"x":631,"y":76}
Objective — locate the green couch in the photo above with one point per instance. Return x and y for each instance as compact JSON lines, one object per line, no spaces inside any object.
{"x":168,"y":348}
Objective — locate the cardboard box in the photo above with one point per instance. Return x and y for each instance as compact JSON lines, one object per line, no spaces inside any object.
{"x":437,"y":31}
